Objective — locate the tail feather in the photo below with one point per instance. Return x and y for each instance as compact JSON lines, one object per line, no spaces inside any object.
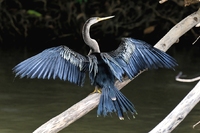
{"x":106,"y":104}
{"x":120,"y":105}
{"x":119,"y":110}
{"x":125,"y":102}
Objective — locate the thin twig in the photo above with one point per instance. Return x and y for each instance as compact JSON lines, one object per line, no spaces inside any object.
{"x":196,"y":40}
{"x":196,"y":124}
{"x":186,"y":80}
{"x":162,"y":1}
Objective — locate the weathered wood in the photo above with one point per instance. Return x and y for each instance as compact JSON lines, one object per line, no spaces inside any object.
{"x":178,"y":30}
{"x":70,"y":115}
{"x":180,"y":112}
{"x":83,"y":107}
{"x":189,"y":102}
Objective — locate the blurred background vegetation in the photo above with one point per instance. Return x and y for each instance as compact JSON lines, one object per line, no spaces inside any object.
{"x":34,"y":25}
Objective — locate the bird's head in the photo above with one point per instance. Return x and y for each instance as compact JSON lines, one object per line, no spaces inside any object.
{"x":94,"y":20}
{"x":94,"y":47}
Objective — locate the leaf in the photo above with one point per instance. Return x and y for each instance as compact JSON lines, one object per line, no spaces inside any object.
{"x":149,"y":29}
{"x":35,"y":13}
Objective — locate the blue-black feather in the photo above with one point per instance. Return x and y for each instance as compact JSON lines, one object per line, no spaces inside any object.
{"x":111,"y":100}
{"x":120,"y":105}
{"x":53,"y":63}
{"x":130,"y":58}
{"x":136,"y":55}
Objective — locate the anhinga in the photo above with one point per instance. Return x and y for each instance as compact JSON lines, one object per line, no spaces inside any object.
{"x":104,"y":68}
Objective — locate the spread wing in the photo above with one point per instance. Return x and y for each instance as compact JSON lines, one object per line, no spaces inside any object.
{"x":57,"y":62}
{"x":133,"y":56}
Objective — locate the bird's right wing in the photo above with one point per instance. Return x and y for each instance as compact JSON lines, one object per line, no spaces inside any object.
{"x":57,"y":62}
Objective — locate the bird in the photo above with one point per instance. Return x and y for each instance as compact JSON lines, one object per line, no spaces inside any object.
{"x":130,"y":58}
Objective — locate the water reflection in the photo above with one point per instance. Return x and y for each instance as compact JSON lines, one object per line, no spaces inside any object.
{"x":26,"y":104}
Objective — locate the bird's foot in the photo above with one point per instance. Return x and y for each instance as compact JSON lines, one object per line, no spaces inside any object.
{"x":97,"y":90}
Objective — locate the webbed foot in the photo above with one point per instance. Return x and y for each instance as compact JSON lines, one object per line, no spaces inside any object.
{"x":97,"y":90}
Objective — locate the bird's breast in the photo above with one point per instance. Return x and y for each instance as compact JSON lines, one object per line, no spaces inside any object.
{"x":104,"y":75}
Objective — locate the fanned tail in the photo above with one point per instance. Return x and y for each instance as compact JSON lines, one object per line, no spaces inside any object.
{"x":113,"y":101}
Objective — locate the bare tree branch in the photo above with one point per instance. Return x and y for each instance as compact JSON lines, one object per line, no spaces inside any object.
{"x":179,"y":113}
{"x":196,"y":124}
{"x":190,"y":2}
{"x":186,"y":80}
{"x":83,"y":107}
{"x":162,"y":1}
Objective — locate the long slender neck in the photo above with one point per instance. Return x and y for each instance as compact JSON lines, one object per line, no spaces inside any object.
{"x":94,"y":47}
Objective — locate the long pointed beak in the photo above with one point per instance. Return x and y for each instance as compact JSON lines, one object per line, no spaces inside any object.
{"x":105,"y":18}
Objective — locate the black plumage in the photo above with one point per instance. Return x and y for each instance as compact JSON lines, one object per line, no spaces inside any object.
{"x":104,"y":68}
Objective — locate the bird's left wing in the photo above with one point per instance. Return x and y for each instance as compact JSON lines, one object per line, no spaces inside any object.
{"x":134,"y":56}
{"x":57,"y":62}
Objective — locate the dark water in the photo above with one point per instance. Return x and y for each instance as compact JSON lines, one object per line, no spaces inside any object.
{"x":26,"y":104}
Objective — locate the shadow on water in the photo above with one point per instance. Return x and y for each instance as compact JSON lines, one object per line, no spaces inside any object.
{"x":26,"y":104}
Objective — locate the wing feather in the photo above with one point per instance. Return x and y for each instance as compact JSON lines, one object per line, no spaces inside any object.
{"x":113,"y":64}
{"x":134,"y":56}
{"x":57,"y":62}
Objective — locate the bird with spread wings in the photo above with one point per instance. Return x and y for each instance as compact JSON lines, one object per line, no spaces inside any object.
{"x":104,"y":68}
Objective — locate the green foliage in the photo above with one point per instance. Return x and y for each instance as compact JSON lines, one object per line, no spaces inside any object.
{"x":34,"y":13}
{"x":55,"y":22}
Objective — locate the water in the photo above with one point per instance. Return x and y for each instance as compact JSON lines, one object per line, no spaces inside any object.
{"x":26,"y":104}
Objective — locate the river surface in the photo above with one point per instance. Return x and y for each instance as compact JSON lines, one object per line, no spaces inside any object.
{"x":25,"y":104}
